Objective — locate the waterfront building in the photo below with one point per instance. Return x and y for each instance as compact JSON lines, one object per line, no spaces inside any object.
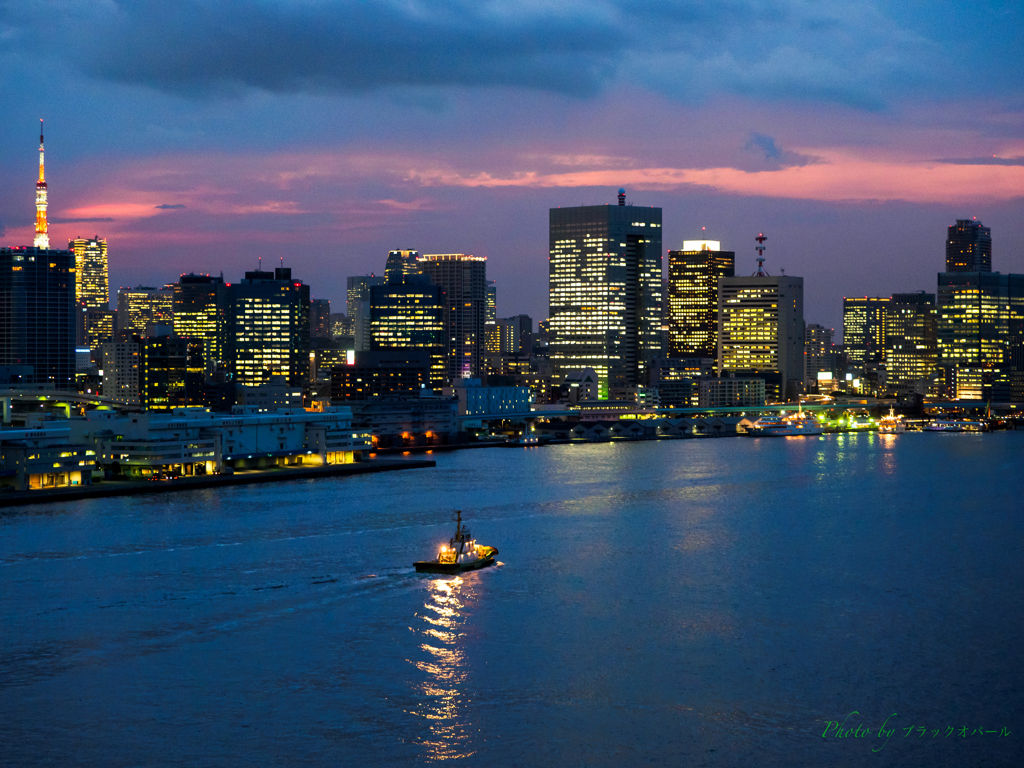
{"x":200,"y":310}
{"x":401,"y":264}
{"x":605,"y":291}
{"x":864,"y":331}
{"x":475,"y":399}
{"x":911,"y":343}
{"x":273,"y":395}
{"x":693,"y":275}
{"x":37,"y":314}
{"x":142,"y":306}
{"x":268,"y":331}
{"x":731,"y":392}
{"x":358,"y":308}
{"x":677,"y":379}
{"x":819,"y":357}
{"x":409,"y":422}
{"x":408,"y":312}
{"x":980,"y":322}
{"x":384,"y":373}
{"x":463,"y":278}
{"x":320,"y":318}
{"x":968,"y":247}
{"x":761,"y":331}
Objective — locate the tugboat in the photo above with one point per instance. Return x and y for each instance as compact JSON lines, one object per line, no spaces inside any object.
{"x":460,"y":554}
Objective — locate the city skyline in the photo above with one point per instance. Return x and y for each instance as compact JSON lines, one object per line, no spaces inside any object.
{"x":853,"y":148}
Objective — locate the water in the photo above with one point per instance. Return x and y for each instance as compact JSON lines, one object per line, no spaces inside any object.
{"x":699,"y":602}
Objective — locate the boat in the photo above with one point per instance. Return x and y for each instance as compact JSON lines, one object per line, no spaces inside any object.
{"x":955,"y":425}
{"x":785,"y":425}
{"x":461,"y":553}
{"x":891,"y":424}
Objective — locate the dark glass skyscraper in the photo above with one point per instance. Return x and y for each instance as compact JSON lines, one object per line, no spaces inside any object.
{"x":968,"y":247}
{"x":693,"y":275}
{"x":408,"y":312}
{"x":463,"y":278}
{"x":604,"y":291}
{"x":864,"y":330}
{"x":269,"y":328}
{"x":37,"y":314}
{"x":201,"y":312}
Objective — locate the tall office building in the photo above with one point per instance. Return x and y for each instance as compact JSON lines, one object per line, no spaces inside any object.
{"x":864,"y":331}
{"x":819,"y":356}
{"x":515,"y":335}
{"x":693,"y":275}
{"x":401,"y":263}
{"x":463,"y":278}
{"x":200,"y":311}
{"x":37,"y":314}
{"x":170,"y":372}
{"x":320,"y":318}
{"x":761,"y":330}
{"x":980,"y":322}
{"x":408,"y":312}
{"x":92,"y":288}
{"x":604,"y":291}
{"x":358,"y":308}
{"x":911,"y":342}
{"x":121,"y":370}
{"x":142,"y":306}
{"x":268,"y":329}
{"x":968,"y":247}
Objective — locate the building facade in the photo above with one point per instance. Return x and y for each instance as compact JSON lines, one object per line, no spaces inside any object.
{"x":864,"y":331}
{"x":142,"y":306}
{"x":201,"y":312}
{"x":911,"y":342}
{"x":400,"y":264}
{"x":268,"y":330}
{"x":604,"y":291}
{"x":358,"y":306}
{"x":320,"y":318}
{"x":463,"y":278}
{"x":37,"y":314}
{"x":968,"y":247}
{"x":761,"y":330}
{"x":693,"y":275}
{"x":408,"y":312}
{"x":819,"y":356}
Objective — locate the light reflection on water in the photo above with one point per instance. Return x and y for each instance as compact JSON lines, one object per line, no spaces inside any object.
{"x":443,"y":701}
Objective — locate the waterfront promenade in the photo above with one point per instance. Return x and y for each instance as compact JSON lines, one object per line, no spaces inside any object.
{"x":249,"y":477}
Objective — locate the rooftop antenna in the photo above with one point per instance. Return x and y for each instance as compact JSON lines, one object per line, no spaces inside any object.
{"x":259,"y":263}
{"x":761,"y":237}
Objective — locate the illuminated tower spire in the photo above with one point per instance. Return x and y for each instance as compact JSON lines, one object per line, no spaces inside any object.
{"x":42,"y":239}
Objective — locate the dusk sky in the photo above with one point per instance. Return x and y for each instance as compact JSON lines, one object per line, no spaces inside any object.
{"x":199,"y":136}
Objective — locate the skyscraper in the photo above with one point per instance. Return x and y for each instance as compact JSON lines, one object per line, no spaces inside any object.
{"x":37,"y":314}
{"x":320,"y":318}
{"x":864,"y":331}
{"x":92,"y":287}
{"x":408,"y":312}
{"x":358,"y":307}
{"x":604,"y":291}
{"x":761,"y":330}
{"x":819,"y":355}
{"x":268,"y":331}
{"x":401,"y":263}
{"x":200,"y":310}
{"x":142,"y":306}
{"x":693,"y":275}
{"x":911,"y":343}
{"x":463,"y":278}
{"x":968,"y":247}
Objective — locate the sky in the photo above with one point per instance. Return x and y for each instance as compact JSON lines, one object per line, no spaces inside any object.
{"x":203,"y":135}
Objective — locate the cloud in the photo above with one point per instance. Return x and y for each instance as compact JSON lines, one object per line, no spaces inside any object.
{"x":850,"y":53}
{"x":775,"y":157}
{"x":983,"y":160}
{"x":170,"y":207}
{"x":87,"y":220}
{"x":766,"y":144}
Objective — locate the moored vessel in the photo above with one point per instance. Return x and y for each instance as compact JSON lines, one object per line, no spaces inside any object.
{"x":785,"y":425}
{"x":891,"y":424}
{"x":955,"y":425}
{"x":462,"y":553}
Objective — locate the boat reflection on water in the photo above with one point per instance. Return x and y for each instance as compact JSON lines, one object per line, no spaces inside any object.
{"x":444,"y":702}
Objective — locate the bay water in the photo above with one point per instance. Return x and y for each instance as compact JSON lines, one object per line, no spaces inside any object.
{"x":690,"y":602}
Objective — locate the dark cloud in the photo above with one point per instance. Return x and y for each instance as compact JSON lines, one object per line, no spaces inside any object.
{"x":983,"y":161}
{"x":851,"y":53}
{"x":80,"y":221}
{"x":169,"y":206}
{"x":775,"y":157}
